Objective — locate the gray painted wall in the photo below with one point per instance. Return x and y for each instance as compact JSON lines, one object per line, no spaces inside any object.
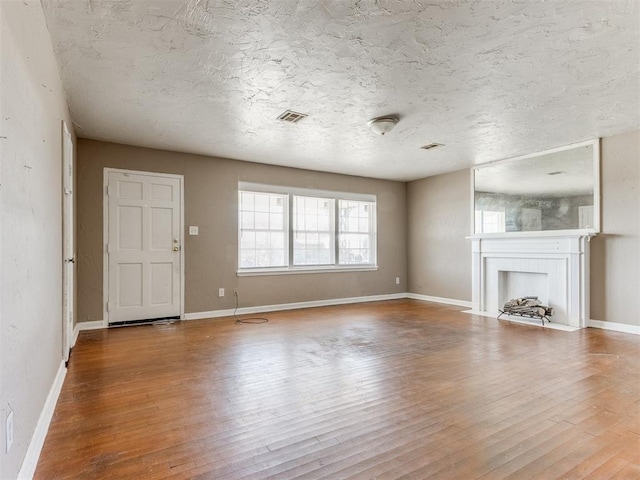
{"x":438,"y":220}
{"x":615,"y":254}
{"x":32,"y":105}
{"x":211,"y":198}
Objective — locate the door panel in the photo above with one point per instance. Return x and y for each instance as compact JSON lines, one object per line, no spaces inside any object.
{"x":144,"y":240}
{"x":161,"y":283}
{"x":129,"y":285}
{"x":161,"y":229}
{"x":130,"y":228}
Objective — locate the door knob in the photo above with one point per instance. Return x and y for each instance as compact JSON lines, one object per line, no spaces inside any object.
{"x":176,"y":248}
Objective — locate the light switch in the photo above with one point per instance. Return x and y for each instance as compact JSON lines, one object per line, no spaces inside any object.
{"x":193,"y":230}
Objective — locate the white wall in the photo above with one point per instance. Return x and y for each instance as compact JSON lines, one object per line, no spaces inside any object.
{"x":32,"y":105}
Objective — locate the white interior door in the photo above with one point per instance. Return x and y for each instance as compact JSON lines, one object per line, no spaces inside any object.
{"x":144,"y":246}
{"x":68,"y":246}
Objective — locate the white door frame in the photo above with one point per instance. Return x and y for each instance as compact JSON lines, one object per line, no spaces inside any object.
{"x":105,"y":235}
{"x":68,"y":243}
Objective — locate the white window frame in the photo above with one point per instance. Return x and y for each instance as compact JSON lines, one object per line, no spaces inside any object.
{"x":481,"y":225}
{"x":285,"y":227}
{"x":296,"y":229}
{"x":305,"y":192}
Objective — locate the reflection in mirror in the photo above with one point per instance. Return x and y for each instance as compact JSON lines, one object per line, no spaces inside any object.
{"x":553,"y":190}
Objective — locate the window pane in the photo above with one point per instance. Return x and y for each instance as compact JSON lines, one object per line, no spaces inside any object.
{"x":356,"y":232}
{"x":262,"y":202}
{"x":262,"y":221}
{"x":276,"y":221}
{"x":247,"y":258}
{"x":247,"y":220}
{"x":246,"y":201}
{"x":313,"y":230}
{"x":248,"y":240}
{"x":487,"y":221}
{"x":277,"y":240}
{"x":277,"y":257}
{"x":262,"y":230}
{"x":276,"y":204}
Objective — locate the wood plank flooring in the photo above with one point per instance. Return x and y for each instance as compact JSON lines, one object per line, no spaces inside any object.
{"x":388,"y":390}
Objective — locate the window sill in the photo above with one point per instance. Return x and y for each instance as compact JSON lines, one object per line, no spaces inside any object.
{"x":297,"y":271}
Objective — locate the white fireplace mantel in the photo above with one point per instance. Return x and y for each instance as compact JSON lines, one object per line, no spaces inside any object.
{"x":557,"y":263}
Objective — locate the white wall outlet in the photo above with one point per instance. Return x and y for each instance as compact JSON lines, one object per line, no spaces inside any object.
{"x":397,"y":280}
{"x":193,"y":230}
{"x":221,"y":292}
{"x":9,"y":430}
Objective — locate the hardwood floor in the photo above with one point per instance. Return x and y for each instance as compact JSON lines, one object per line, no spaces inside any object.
{"x":399,"y":389}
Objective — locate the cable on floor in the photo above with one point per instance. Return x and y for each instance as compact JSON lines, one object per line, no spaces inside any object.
{"x":248,"y":320}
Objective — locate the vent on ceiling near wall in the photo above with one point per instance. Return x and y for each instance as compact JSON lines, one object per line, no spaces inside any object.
{"x":431,"y":146}
{"x":292,"y":117}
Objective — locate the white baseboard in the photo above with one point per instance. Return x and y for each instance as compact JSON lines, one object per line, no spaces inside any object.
{"x":293,"y":306}
{"x":446,"y":301}
{"x":81,"y":326}
{"x":616,"y":327}
{"x":30,"y":461}
{"x":98,"y":324}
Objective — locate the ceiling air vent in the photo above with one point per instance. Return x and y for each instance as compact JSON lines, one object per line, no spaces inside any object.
{"x":431,"y":146}
{"x":292,"y":117}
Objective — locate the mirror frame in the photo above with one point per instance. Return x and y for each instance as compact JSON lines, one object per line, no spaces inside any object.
{"x":596,"y":188}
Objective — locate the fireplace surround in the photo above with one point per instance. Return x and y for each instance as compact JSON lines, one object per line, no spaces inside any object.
{"x":553,"y":265}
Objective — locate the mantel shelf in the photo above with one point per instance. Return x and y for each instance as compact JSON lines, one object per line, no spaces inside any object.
{"x":545,"y":234}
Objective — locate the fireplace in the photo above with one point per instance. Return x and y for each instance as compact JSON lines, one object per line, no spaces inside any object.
{"x":554,"y":266}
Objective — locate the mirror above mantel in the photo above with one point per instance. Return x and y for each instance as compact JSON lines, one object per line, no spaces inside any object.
{"x":552,"y":190}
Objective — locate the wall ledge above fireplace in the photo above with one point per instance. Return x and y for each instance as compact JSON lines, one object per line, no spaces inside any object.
{"x":547,"y":233}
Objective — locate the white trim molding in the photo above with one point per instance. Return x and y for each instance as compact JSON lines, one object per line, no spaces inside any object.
{"x":617,"y":327}
{"x":81,"y":326}
{"x":446,"y":301}
{"x":293,"y":306}
{"x":30,"y":461}
{"x":613,"y":326}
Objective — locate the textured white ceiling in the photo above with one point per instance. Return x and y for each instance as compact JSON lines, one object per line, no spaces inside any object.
{"x":490,"y":79}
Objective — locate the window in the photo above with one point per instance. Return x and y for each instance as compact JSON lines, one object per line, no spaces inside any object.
{"x":313,"y":230}
{"x":490,"y":221}
{"x":356,"y":232}
{"x":263,"y":230}
{"x":293,"y":229}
